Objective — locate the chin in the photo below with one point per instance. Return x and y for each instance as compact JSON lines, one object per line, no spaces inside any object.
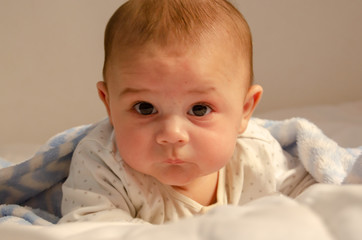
{"x":175,"y":182}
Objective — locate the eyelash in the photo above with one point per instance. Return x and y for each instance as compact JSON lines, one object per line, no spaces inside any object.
{"x":154,"y":111}
{"x":209,"y":110}
{"x":138,"y":111}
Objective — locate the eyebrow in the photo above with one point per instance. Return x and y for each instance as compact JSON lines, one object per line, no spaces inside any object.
{"x":130,"y":91}
{"x":202,"y":90}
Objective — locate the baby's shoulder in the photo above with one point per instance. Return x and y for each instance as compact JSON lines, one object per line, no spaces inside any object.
{"x":101,"y":135}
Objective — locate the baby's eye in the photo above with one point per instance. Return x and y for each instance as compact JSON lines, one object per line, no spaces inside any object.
{"x":199,"y":110}
{"x":145,"y":108}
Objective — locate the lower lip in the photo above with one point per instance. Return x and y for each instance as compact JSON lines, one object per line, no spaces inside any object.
{"x":174,"y":161}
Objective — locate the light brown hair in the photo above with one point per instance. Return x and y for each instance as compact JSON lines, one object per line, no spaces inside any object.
{"x":175,"y":22}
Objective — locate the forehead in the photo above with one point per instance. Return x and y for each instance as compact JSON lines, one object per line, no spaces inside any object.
{"x":211,"y":58}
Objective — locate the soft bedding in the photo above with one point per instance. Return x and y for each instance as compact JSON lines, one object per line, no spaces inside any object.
{"x":30,"y":195}
{"x":323,"y":212}
{"x":342,"y":121}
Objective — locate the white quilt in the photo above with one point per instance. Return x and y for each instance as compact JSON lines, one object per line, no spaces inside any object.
{"x":323,"y":212}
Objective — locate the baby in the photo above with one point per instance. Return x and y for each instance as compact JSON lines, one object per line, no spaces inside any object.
{"x":178,"y":89}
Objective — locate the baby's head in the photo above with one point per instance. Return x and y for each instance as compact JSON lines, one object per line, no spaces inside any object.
{"x":177,"y":86}
{"x":176,"y":25}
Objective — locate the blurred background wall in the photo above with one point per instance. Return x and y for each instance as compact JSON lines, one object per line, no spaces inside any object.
{"x":51,"y":55}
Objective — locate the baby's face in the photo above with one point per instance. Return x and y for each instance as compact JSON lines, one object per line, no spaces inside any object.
{"x":177,"y":116}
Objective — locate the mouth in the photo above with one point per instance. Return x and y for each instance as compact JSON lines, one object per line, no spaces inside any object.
{"x":174,"y":161}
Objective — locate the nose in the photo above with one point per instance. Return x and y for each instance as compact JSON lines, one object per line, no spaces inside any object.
{"x":172,"y":130}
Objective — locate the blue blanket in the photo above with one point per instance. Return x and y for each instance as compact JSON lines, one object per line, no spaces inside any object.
{"x":30,"y":192}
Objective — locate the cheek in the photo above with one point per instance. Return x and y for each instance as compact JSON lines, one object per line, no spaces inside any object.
{"x":225,"y":147}
{"x":217,"y":146}
{"x":131,"y":142}
{"x":228,"y":134}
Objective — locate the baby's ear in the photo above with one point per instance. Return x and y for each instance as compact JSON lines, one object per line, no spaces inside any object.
{"x":252,"y":99}
{"x":104,"y":96}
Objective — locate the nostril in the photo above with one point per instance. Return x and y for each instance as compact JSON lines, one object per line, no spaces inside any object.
{"x":170,"y":141}
{"x":174,"y":138}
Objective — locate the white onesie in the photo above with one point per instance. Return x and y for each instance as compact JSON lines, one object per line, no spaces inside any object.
{"x":102,"y":187}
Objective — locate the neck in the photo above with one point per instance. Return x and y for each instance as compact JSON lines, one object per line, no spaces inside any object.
{"x":202,"y":190}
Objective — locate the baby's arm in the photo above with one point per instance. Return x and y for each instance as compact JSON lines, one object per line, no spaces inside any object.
{"x":92,"y":191}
